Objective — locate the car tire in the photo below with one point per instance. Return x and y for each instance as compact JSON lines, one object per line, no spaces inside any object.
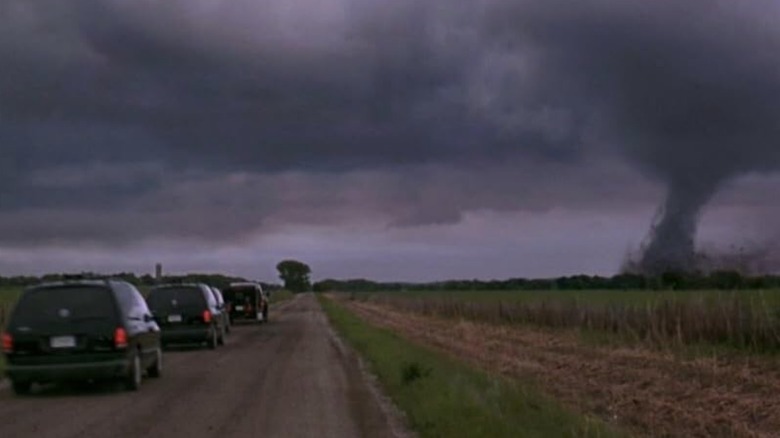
{"x":134,"y":377}
{"x":21,"y":387}
{"x":155,"y":371}
{"x":213,"y":341}
{"x":265,"y":315}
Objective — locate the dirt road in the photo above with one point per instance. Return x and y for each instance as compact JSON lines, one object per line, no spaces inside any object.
{"x":288,"y":378}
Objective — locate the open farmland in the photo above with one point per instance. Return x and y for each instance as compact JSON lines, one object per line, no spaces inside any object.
{"x":636,"y":386}
{"x":8,"y":296}
{"x":743,"y":320}
{"x":597,"y":297}
{"x":445,"y":397}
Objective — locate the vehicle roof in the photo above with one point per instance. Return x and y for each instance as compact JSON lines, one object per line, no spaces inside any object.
{"x":84,"y":282}
{"x":245,"y":284}
{"x":164,"y":285}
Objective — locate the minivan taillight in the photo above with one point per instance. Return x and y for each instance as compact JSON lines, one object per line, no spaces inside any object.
{"x":206,"y":316}
{"x":120,"y":338}
{"x":8,"y":343}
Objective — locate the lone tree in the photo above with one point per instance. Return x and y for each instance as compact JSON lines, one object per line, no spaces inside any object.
{"x":295,"y":275}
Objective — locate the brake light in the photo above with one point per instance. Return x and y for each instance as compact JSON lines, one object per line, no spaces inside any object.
{"x":8,"y":343}
{"x":206,"y":316}
{"x":120,"y":338}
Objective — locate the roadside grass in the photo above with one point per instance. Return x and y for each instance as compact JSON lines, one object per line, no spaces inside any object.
{"x":442,"y":396}
{"x":705,"y":321}
{"x":280,"y":295}
{"x":8,"y":296}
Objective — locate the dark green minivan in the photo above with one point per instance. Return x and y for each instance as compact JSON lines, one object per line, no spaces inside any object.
{"x":187,"y":313}
{"x":79,"y":331}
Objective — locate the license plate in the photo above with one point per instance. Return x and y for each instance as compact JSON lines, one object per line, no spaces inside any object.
{"x":259,"y":316}
{"x":239,"y":308}
{"x":62,"y":341}
{"x":174,"y":318}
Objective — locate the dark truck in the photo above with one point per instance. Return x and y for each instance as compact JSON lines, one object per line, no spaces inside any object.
{"x":246,"y":301}
{"x":79,"y":331}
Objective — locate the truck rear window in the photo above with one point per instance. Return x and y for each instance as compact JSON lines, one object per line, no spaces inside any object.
{"x":64,"y":303}
{"x":167,"y":298}
{"x":240,"y":294}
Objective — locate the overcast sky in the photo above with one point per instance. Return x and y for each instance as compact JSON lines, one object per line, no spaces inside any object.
{"x":393,"y":140}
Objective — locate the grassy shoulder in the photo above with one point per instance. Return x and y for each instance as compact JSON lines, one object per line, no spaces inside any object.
{"x":8,"y":297}
{"x":281,"y":295}
{"x":445,"y":397}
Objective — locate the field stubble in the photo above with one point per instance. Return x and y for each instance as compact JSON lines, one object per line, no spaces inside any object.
{"x":746,"y":321}
{"x":8,"y":297}
{"x":648,"y":390}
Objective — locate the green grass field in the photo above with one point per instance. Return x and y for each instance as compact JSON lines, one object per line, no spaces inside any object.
{"x":444,"y":397}
{"x":8,"y":297}
{"x":742,"y":320}
{"x":278,"y":296}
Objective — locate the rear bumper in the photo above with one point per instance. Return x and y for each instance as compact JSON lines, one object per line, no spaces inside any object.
{"x":182,"y":335}
{"x":244,"y":316}
{"x":71,"y":371}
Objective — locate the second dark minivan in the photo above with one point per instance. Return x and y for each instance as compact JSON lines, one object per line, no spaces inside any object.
{"x":187,"y":313}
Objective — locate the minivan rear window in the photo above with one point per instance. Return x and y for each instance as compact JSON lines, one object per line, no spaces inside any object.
{"x":167,"y":298}
{"x":66,"y":303}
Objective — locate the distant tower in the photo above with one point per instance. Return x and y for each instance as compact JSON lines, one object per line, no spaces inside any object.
{"x":158,"y":271}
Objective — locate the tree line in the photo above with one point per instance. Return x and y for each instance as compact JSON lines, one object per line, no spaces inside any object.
{"x":722,"y":280}
{"x":296,"y":277}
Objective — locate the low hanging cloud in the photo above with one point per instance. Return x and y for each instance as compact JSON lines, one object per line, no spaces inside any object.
{"x":230,"y":206}
{"x":400,"y":112}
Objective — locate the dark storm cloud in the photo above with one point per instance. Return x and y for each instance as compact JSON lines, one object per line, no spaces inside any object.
{"x":253,"y":97}
{"x":686,"y":92}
